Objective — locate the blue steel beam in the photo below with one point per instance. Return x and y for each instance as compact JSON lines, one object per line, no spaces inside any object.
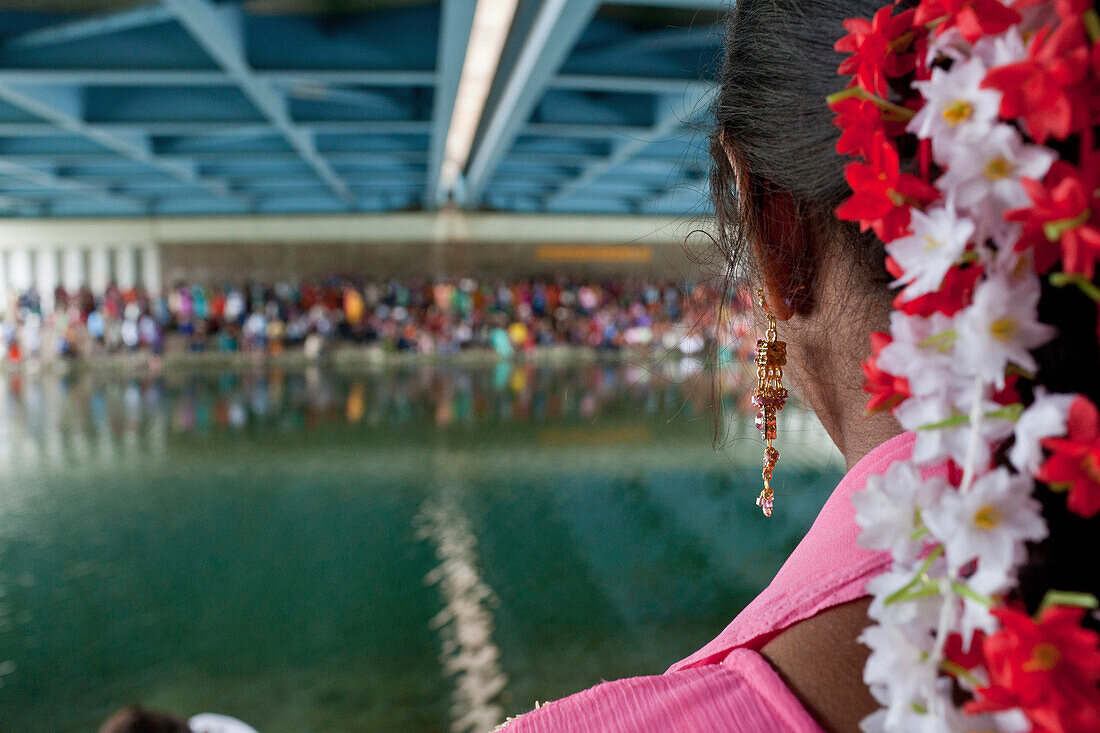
{"x":356,"y":77}
{"x":672,"y":114}
{"x":62,"y":107}
{"x":234,"y":128}
{"x":640,"y":44}
{"x":48,"y":180}
{"x":457,"y":16}
{"x":628,"y":84}
{"x":719,"y":5}
{"x":311,"y":77}
{"x":188,"y":78}
{"x":17,"y":204}
{"x":552,"y":35}
{"x":697,"y":187}
{"x":594,"y":132}
{"x":99,"y":25}
{"x":230,"y":156}
{"x":220,"y":30}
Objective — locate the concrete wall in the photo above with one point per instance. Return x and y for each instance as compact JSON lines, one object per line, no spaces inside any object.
{"x":149,"y":252}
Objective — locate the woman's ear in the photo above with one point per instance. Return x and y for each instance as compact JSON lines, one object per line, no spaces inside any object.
{"x":783,"y":250}
{"x":778,"y":303}
{"x":781,"y":245}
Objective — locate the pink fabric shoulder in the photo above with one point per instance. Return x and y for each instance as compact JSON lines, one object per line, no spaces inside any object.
{"x":826,"y":569}
{"x":727,"y":685}
{"x":742,"y":693}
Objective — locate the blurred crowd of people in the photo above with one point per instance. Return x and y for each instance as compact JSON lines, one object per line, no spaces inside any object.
{"x":417,"y":316}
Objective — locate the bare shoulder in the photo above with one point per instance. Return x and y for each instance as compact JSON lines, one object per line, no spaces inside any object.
{"x":822,"y":663}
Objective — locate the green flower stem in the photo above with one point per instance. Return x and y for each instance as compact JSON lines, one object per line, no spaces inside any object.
{"x":898,"y":594}
{"x":1092,"y":24}
{"x":1062,"y":279}
{"x":960,"y":672}
{"x":903,"y":113}
{"x":964,"y":590}
{"x":941,"y":341}
{"x":1055,"y":229}
{"x":1008,"y":412}
{"x":948,"y":423}
{"x":1068,"y":598}
{"x":926,"y":590}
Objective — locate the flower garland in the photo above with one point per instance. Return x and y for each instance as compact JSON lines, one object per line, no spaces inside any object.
{"x":996,"y":103}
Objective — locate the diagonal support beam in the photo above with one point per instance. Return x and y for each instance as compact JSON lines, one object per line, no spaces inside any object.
{"x":220,"y":30}
{"x":456,"y":19}
{"x":672,"y":114}
{"x":641,"y":45}
{"x":627,"y":84}
{"x":16,"y":203}
{"x":554,"y":32}
{"x":189,"y":78}
{"x":49,"y":180}
{"x":63,"y":107}
{"x":99,"y":25}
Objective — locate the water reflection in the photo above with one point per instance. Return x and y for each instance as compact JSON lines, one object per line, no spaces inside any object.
{"x":91,"y":416}
{"x":465,"y":624}
{"x":257,"y":543}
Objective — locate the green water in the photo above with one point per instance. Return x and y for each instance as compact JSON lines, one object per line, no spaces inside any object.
{"x":423,"y":550}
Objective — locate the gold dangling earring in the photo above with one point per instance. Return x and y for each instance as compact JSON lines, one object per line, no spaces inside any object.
{"x":769,"y":398}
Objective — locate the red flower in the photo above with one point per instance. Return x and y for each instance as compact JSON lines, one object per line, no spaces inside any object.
{"x":882,"y":194}
{"x":1075,"y":459}
{"x":1049,"y":669}
{"x":1009,"y":394}
{"x":1064,"y":8}
{"x":974,"y":18}
{"x":887,"y":391}
{"x":955,"y":294}
{"x":953,"y":650}
{"x":1050,"y":91}
{"x":874,"y":45}
{"x":1063,"y":222}
{"x":860,"y":122}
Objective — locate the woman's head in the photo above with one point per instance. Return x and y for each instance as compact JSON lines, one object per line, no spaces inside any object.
{"x":776,"y":182}
{"x":776,"y":177}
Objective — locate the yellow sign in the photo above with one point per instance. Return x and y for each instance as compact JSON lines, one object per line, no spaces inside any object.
{"x":594,"y":253}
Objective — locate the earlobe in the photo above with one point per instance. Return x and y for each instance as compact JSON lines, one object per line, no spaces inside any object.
{"x":779,"y":303}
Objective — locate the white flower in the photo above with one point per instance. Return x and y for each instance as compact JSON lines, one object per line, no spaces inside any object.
{"x":917,"y":618}
{"x":1001,"y":50}
{"x":1044,"y":418}
{"x":984,"y":171}
{"x":955,"y":106}
{"x":1011,"y":721}
{"x":921,"y":351}
{"x":888,"y":509}
{"x":989,"y":523}
{"x":937,"y":241}
{"x":1001,"y":327}
{"x":951,"y":439}
{"x":899,"y":672}
{"x":989,"y":580}
{"x":950,"y":45}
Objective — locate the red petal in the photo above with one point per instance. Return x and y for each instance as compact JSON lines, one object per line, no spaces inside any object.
{"x":1083,"y":421}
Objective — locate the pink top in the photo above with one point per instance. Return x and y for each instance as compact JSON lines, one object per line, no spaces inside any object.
{"x":727,"y":685}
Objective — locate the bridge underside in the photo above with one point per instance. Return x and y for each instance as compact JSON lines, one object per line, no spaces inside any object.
{"x":194,"y":107}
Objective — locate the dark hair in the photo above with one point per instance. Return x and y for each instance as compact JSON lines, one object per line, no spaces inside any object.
{"x":134,"y":719}
{"x":773,"y":121}
{"x":785,"y":182}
